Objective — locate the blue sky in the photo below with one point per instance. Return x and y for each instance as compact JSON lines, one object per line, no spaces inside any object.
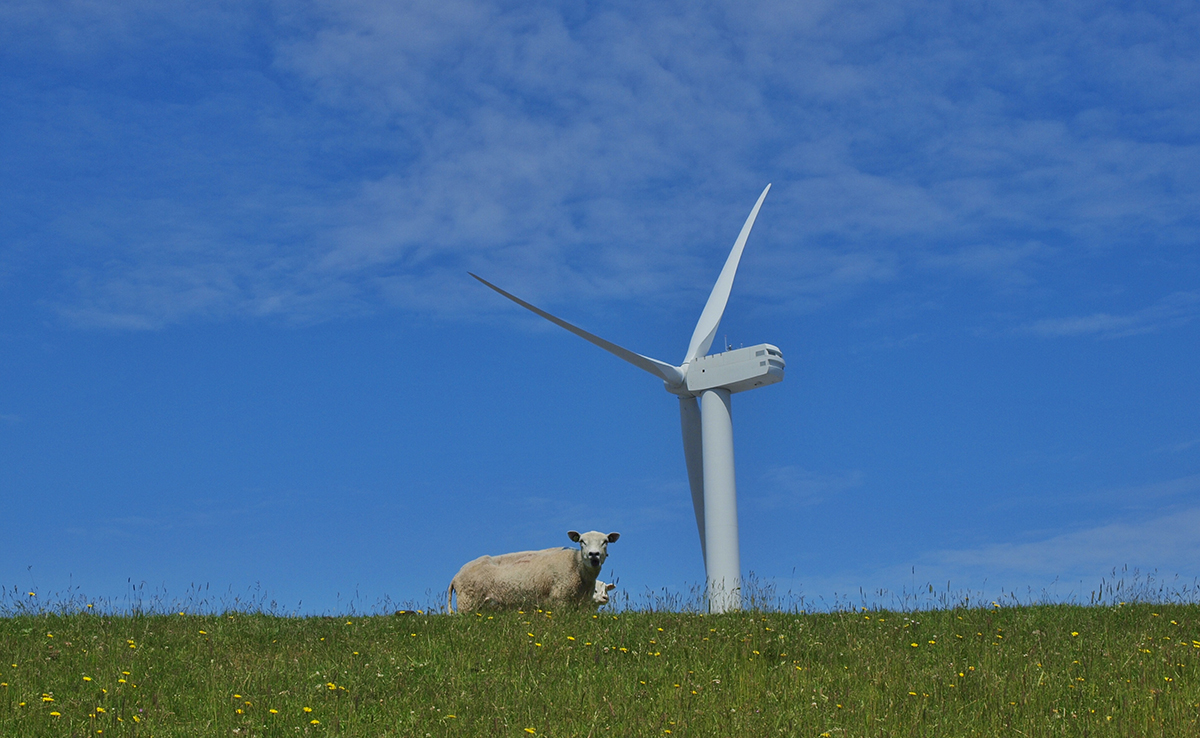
{"x":239,"y":345}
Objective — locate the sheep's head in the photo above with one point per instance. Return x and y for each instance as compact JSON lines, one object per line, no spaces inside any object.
{"x":600,"y":595}
{"x":594,"y":546}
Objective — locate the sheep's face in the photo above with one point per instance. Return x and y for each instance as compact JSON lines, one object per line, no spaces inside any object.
{"x":600,"y":596}
{"x":594,"y":546}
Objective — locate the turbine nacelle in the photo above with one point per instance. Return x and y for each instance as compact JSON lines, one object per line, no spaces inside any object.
{"x":736,"y":370}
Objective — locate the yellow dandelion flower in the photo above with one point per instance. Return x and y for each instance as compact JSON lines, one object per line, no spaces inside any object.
{"x":308,"y":709}
{"x":914,"y":645}
{"x":56,"y":714}
{"x":273,"y":711}
{"x":87,"y":679}
{"x":530,"y":731}
{"x":314,"y":721}
{"x":1074,"y":633}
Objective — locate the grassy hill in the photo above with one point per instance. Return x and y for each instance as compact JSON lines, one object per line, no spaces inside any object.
{"x":1035,"y":671}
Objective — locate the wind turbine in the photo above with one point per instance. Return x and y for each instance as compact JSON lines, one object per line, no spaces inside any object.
{"x":707,"y":424}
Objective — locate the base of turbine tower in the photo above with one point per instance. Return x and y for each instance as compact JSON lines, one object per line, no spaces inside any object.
{"x":722,"y":557}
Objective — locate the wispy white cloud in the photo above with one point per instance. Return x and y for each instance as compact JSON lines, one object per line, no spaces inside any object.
{"x":792,"y":486}
{"x":1176,"y":448}
{"x":1153,"y":525}
{"x":1167,"y":543}
{"x":1174,"y":309}
{"x":1005,"y":264}
{"x":371,"y":152}
{"x":1069,"y":566}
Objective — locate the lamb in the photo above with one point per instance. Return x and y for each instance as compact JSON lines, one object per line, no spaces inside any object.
{"x":600,"y":596}
{"x":552,"y":577}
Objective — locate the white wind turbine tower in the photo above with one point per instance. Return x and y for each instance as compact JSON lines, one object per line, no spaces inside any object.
{"x":707,"y":424}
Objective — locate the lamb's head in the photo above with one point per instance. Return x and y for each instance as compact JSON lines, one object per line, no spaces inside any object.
{"x":600,"y":596}
{"x":593,"y":546}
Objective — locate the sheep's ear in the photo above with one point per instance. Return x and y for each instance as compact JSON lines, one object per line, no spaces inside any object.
{"x":609,"y":587}
{"x":573,"y":535}
{"x":612,"y":537}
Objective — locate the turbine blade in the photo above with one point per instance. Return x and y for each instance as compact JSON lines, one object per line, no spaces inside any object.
{"x":710,"y":318}
{"x":669,"y":374}
{"x":693,"y":455}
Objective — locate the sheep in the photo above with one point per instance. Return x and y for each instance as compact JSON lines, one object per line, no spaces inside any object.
{"x":600,"y":596}
{"x":551,"y":577}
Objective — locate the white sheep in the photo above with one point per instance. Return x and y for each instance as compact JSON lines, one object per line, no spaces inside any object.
{"x":600,"y":596}
{"x":553,"y":577}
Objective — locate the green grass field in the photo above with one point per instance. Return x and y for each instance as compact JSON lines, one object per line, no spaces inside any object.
{"x":1036,"y":670}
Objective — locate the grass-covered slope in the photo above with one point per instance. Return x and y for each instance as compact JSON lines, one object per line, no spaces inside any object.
{"x":1032,"y":671}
